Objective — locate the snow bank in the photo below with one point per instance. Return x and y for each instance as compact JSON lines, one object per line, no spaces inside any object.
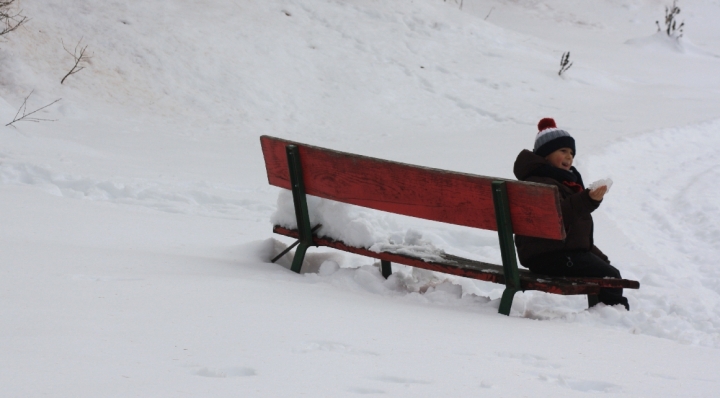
{"x":666,"y":202}
{"x":185,"y":197}
{"x":661,"y":42}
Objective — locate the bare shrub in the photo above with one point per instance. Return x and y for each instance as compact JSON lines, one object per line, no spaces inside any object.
{"x":672,"y":29}
{"x":9,"y":20}
{"x":79,"y":56}
{"x":565,"y":63}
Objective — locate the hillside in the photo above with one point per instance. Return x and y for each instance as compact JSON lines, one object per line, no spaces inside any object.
{"x":136,"y":225}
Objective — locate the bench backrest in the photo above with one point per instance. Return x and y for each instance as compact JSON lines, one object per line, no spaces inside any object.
{"x":433,"y":194}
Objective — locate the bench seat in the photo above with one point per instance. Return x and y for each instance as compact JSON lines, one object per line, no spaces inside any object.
{"x":473,"y":269}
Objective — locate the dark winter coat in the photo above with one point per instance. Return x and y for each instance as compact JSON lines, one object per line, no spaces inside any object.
{"x":576,"y":206}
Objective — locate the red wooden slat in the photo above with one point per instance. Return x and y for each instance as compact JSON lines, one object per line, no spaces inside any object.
{"x":433,"y":194}
{"x":482,"y":271}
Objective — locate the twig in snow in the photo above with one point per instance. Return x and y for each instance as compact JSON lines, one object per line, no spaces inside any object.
{"x":78,"y":56}
{"x":25,"y":115}
{"x":456,"y":2}
{"x":11,"y":20}
{"x":490,"y":12}
{"x":565,"y":63}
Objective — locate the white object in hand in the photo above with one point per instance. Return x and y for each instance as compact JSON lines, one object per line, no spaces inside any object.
{"x":599,"y":183}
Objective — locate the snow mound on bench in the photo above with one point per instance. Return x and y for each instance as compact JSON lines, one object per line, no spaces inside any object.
{"x":357,"y":226}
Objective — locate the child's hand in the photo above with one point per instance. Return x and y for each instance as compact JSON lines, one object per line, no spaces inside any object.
{"x":598,"y":193}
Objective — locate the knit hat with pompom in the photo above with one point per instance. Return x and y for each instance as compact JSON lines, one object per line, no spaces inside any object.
{"x":550,"y":138}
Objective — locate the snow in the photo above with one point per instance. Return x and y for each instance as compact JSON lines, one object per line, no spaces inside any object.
{"x":357,"y":226}
{"x":136,"y":228}
{"x":604,"y":182}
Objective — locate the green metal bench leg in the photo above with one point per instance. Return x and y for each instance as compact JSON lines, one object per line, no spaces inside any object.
{"x":507,"y":245}
{"x":385,"y":268}
{"x":506,"y":300}
{"x":593,"y":300}
{"x":299,"y":257}
{"x":297,"y":242}
{"x":301,"y":210}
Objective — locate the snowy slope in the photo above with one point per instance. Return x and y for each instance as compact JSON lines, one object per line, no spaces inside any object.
{"x":134,"y":258}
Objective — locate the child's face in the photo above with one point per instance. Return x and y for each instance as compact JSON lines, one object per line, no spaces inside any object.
{"x":562,"y":158}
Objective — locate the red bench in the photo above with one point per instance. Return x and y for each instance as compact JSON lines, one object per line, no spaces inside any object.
{"x":475,"y":201}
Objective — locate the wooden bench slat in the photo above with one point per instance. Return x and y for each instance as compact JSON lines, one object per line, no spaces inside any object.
{"x":433,"y":194}
{"x":479,"y":270}
{"x":530,"y":276}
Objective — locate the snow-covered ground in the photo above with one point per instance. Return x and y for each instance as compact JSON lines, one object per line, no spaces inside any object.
{"x":136,"y":234}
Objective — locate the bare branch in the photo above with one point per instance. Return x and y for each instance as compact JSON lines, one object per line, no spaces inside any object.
{"x":565,"y":63}
{"x":79,"y":56}
{"x":25,"y":116}
{"x":11,"y":20}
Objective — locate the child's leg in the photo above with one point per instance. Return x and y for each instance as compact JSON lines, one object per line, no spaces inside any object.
{"x":583,"y":264}
{"x":588,"y":264}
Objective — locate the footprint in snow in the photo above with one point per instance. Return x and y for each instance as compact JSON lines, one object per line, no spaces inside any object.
{"x":365,"y":391}
{"x":225,"y":372}
{"x":528,"y":359}
{"x":581,"y":385}
{"x":91,"y":278}
{"x":400,"y":380}
{"x":329,"y":346}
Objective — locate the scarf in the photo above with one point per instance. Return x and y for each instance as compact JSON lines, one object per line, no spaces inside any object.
{"x":571,"y":178}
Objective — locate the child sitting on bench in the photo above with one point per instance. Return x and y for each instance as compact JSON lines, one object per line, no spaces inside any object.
{"x":550,"y":162}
